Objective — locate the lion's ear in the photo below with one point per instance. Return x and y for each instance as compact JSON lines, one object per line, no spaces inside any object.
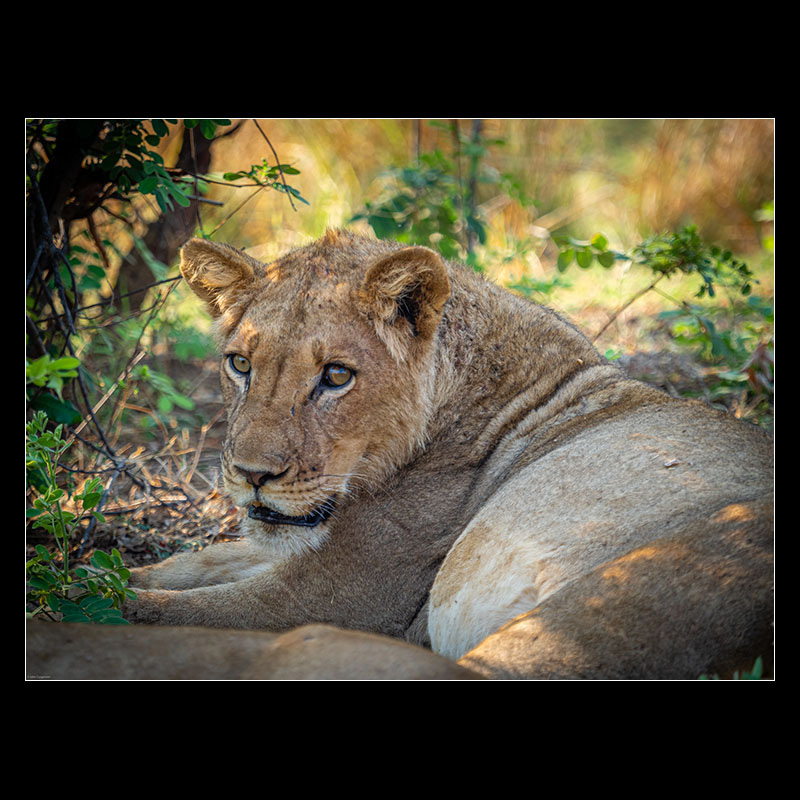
{"x":407,"y":290}
{"x":217,"y":273}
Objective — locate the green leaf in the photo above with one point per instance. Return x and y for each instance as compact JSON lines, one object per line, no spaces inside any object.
{"x":758,"y":669}
{"x":606,"y":259}
{"x":148,"y":185}
{"x":182,"y":401}
{"x":102,"y":560}
{"x":37,"y":369}
{"x":584,"y":258}
{"x":115,"y":618}
{"x":162,"y":198}
{"x":43,"y":552}
{"x":91,"y":500}
{"x":109,"y":162}
{"x":115,"y":582}
{"x":178,"y":195}
{"x":72,"y":612}
{"x":384,"y":227}
{"x":93,"y":603}
{"x":53,"y":495}
{"x":65,"y":363}
{"x":296,"y":194}
{"x":565,"y":259}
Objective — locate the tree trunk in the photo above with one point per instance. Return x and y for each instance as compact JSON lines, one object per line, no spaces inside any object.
{"x":168,"y":233}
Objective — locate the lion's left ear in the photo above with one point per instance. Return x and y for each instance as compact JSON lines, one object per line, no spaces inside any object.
{"x":405,"y":291}
{"x":218,"y":274}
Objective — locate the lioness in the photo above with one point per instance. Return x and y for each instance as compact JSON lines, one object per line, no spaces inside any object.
{"x":422,"y":454}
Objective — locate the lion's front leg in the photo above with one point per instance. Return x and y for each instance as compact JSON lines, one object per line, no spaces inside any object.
{"x":218,"y":563}
{"x":239,"y":604}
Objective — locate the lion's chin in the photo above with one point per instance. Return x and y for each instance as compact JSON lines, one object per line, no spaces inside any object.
{"x":269,"y":516}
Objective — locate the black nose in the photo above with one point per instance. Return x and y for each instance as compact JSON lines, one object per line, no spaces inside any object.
{"x":260,"y":478}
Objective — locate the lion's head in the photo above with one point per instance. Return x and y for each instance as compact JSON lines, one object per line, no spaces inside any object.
{"x":327,"y":372}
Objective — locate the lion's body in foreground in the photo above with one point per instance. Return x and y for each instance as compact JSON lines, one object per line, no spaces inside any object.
{"x":423,"y":455}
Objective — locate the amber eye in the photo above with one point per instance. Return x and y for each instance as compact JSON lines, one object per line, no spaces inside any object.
{"x":239,"y":364}
{"x":336,"y":376}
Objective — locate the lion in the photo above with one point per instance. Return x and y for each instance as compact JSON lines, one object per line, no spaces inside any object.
{"x":75,"y":651}
{"x":420,"y":454}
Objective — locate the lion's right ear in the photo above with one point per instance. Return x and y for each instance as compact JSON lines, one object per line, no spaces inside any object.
{"x":218,"y":274}
{"x":405,"y":292}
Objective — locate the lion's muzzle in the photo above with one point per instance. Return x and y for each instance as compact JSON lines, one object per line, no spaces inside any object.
{"x":269,"y":516}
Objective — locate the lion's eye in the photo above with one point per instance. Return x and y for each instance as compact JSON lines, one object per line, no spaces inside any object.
{"x":239,"y":364}
{"x":335,"y":376}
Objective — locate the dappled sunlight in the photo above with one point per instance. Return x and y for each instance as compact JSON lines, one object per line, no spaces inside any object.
{"x":620,"y":569}
{"x":736,"y":512}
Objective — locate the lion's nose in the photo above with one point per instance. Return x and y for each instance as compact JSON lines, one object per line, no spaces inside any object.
{"x":260,"y":478}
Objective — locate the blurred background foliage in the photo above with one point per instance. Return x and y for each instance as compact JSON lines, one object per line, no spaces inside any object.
{"x":505,"y":196}
{"x":655,"y":236}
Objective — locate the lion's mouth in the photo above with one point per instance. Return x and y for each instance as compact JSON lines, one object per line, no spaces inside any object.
{"x":269,"y":516}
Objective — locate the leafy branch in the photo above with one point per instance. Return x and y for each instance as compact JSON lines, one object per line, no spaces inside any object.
{"x":434,"y":200}
{"x":743,"y":350}
{"x":268,"y":177}
{"x":77,"y":595}
{"x":666,"y":255}
{"x":88,"y":171}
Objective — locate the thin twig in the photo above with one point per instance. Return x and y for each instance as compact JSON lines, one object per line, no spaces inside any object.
{"x":237,"y":209}
{"x":277,"y":163}
{"x":199,"y":449}
{"x":33,"y":333}
{"x":34,"y":268}
{"x":134,"y":360}
{"x":199,"y":199}
{"x":112,"y":300}
{"x":196,"y":182}
{"x":626,"y":305}
{"x":113,"y":388}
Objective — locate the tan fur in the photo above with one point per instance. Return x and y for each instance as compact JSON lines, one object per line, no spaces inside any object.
{"x":311,"y":652}
{"x":486,"y":464}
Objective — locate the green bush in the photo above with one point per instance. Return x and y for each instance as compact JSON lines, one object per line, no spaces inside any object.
{"x":71,"y":594}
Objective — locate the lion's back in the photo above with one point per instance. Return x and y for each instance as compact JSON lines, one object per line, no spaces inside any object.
{"x":612,"y":490}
